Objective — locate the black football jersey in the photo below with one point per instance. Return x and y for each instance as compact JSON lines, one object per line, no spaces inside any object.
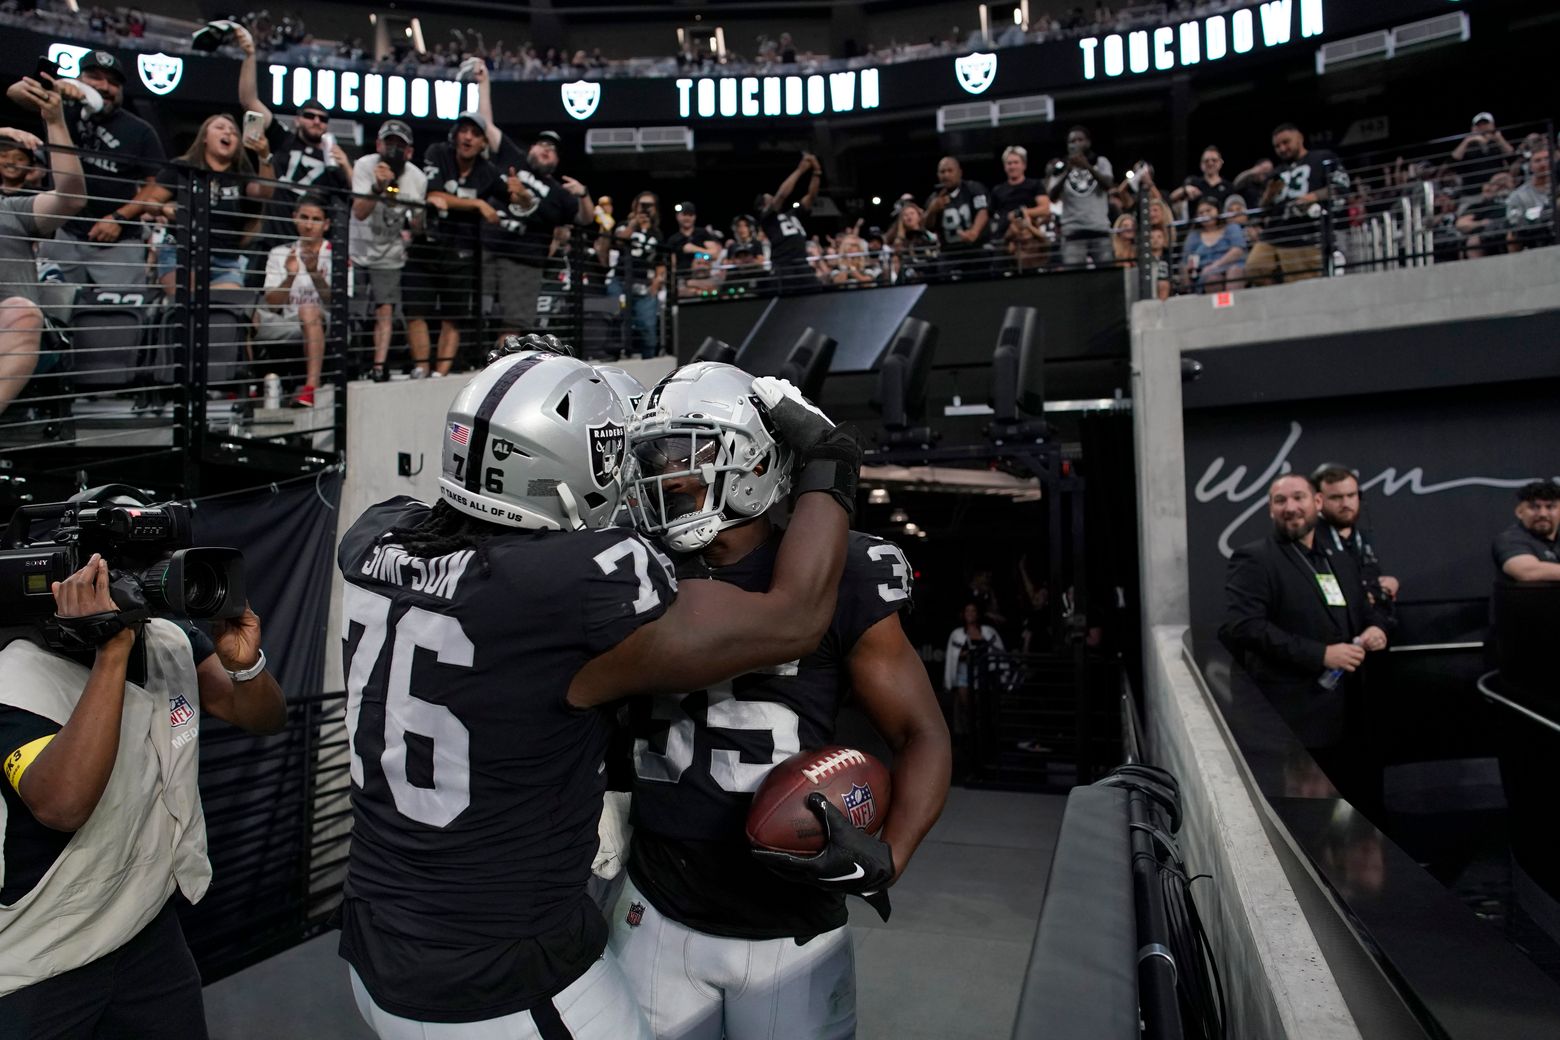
{"x":787,"y":237}
{"x":698,"y":758}
{"x":958,"y":216}
{"x":476,"y":787}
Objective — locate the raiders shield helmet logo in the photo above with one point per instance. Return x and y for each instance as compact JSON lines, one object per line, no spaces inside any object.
{"x":606,"y":451}
{"x":976,"y":71}
{"x":501,"y":449}
{"x":580,"y":98}
{"x":160,"y":72}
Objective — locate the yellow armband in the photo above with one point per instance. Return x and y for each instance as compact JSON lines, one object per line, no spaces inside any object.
{"x":16,"y":762}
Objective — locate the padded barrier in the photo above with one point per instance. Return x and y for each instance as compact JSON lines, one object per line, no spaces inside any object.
{"x":1082,"y":974}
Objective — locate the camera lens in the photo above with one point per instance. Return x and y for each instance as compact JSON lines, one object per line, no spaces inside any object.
{"x":205,"y":588}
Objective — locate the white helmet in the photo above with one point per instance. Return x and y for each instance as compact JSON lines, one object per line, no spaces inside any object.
{"x":702,"y":457}
{"x":631,"y":390}
{"x":536,"y":441}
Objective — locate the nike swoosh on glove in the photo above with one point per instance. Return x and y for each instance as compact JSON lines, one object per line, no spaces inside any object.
{"x":800,"y":423}
{"x":852,"y":861}
{"x":614,"y":832}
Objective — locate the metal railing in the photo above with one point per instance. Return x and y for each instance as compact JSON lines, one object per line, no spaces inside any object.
{"x":227,"y":317}
{"x":1412,"y":206}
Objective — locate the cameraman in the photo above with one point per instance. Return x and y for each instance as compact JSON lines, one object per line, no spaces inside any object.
{"x":103,"y":818}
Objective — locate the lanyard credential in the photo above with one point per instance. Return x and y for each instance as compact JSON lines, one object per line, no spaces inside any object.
{"x":1332,"y":592}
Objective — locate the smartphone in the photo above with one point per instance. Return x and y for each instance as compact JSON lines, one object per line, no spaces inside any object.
{"x":47,"y":70}
{"x":254,"y":125}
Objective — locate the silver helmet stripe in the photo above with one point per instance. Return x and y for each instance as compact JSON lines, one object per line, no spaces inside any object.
{"x":482,"y":420}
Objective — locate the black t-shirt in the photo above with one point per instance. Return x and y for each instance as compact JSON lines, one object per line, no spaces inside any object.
{"x":968,"y":199}
{"x":700,"y":235}
{"x":453,"y":238}
{"x":31,"y":848}
{"x":698,"y":758}
{"x":1317,"y":170}
{"x":524,"y":233}
{"x":232,"y":212}
{"x":476,"y":787}
{"x":1517,"y":540}
{"x":638,"y":255}
{"x":300,"y":163}
{"x":1219,"y":193}
{"x":118,"y":152}
{"x":1007,"y":197}
{"x":1480,"y":163}
{"x":787,"y":237}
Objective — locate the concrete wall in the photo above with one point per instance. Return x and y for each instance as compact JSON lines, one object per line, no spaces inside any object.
{"x":1513,"y":284}
{"x":1276,"y":980}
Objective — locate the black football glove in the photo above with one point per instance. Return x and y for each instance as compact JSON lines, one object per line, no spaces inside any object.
{"x":852,"y":861}
{"x":800,"y":423}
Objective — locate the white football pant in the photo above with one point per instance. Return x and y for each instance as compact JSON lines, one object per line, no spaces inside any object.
{"x":694,"y":986}
{"x":596,"y":1006}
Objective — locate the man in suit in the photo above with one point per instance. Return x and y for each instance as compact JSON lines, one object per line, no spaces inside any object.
{"x":1295,"y":612}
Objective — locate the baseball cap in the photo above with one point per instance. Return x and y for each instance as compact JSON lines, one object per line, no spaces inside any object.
{"x":311,"y":105}
{"x":687,"y":207}
{"x":104,"y":61}
{"x":395,"y":128}
{"x":1483,"y":117}
{"x":551,"y":137}
{"x":474,"y":118}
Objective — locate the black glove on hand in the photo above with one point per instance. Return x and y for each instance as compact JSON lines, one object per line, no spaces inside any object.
{"x":833,"y":465}
{"x":852,"y":861}
{"x":800,"y":423}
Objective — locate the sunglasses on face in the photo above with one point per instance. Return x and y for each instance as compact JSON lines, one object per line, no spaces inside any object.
{"x":318,"y":117}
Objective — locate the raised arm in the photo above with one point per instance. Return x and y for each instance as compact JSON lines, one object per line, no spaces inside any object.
{"x":787,"y":186}
{"x":248,"y":89}
{"x":495,"y":136}
{"x":255,"y":704}
{"x":63,"y":783}
{"x":813,"y":183}
{"x":713,"y":630}
{"x":52,"y":208}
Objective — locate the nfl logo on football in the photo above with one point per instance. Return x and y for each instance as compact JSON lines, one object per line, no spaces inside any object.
{"x":859,"y":806}
{"x":636,"y":914}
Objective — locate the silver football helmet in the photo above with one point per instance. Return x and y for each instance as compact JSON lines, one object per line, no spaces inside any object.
{"x":702,"y":457}
{"x":631,"y":390}
{"x":536,"y":441}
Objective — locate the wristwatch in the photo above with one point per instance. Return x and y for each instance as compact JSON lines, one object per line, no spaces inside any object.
{"x":246,"y":674}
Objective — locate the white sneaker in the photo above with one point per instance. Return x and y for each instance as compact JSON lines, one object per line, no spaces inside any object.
{"x":435,"y":375}
{"x":419,"y":373}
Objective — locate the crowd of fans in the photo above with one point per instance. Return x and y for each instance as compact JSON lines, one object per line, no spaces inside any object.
{"x":480,"y":202}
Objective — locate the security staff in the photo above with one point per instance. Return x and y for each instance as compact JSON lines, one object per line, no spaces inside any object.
{"x":1340,"y":526}
{"x":102,"y":814}
{"x":1297,"y":616}
{"x":1527,"y":550}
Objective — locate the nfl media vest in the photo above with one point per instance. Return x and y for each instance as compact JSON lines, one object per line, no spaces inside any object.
{"x":146,"y":835}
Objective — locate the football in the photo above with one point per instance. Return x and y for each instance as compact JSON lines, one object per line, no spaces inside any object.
{"x":854,"y":781}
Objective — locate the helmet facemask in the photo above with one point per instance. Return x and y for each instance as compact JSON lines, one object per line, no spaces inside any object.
{"x":689,"y":478}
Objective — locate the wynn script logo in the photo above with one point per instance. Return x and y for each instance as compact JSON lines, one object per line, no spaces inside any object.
{"x":1233,"y":487}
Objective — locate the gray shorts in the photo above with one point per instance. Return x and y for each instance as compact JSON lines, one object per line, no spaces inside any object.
{"x":376,"y":286}
{"x":514,"y":287}
{"x":107,"y":265}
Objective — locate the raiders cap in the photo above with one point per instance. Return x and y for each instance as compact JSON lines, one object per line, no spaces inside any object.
{"x":395,"y":128}
{"x":550,"y":137}
{"x":106,"y":62}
